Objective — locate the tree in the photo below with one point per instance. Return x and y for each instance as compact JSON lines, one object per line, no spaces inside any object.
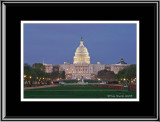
{"x":29,"y":74}
{"x":126,"y":74}
{"x":41,"y":75}
{"x":106,"y":75}
{"x":38,"y":66}
{"x":62,"y":75}
{"x":36,"y":73}
{"x":55,"y":75}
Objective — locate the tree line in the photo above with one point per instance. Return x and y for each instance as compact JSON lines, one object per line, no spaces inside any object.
{"x":35,"y":75}
{"x":125,"y":75}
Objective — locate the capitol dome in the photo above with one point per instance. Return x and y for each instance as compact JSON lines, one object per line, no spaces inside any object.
{"x":81,"y":55}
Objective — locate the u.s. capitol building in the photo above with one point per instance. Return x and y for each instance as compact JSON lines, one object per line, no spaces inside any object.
{"x":81,"y":66}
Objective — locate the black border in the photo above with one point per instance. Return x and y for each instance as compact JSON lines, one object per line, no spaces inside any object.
{"x":44,"y":102}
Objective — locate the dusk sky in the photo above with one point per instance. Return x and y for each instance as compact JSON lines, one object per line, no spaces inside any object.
{"x":57,"y":43}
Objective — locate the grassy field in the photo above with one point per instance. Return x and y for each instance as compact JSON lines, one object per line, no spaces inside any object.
{"x":78,"y":91}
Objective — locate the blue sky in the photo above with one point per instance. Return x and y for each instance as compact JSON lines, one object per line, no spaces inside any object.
{"x":57,"y":43}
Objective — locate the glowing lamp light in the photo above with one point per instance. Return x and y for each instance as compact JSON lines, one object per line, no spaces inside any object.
{"x":25,"y":76}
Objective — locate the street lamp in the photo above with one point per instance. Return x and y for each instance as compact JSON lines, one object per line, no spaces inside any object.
{"x":25,"y":76}
{"x":30,"y":78}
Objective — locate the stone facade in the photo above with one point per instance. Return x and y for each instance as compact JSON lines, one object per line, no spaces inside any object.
{"x":117,"y":67}
{"x":78,"y":71}
{"x":48,"y":68}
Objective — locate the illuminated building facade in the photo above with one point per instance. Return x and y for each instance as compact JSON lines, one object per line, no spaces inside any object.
{"x":81,"y":66}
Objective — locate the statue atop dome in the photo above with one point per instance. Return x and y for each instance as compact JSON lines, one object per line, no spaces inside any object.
{"x":81,"y":43}
{"x":81,"y":38}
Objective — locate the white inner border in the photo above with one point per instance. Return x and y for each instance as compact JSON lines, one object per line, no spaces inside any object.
{"x":80,"y":22}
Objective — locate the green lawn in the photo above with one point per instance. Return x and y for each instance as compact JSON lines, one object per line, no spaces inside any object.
{"x":78,"y":91}
{"x":70,"y":81}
